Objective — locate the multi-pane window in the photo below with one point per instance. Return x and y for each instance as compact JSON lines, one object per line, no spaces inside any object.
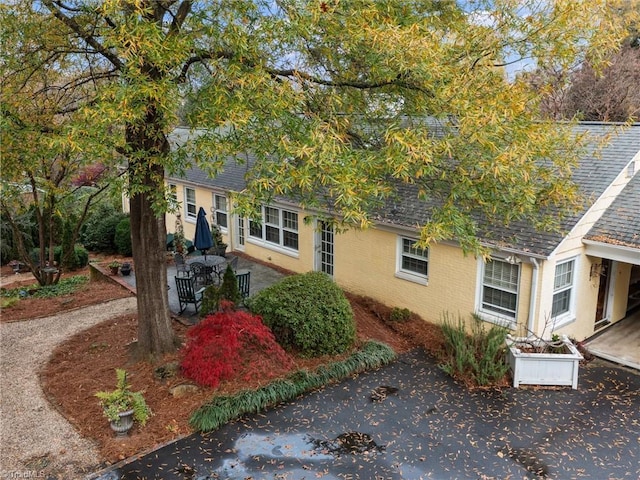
{"x":500,"y":288}
{"x":413,"y":259}
{"x":220,"y":210}
{"x":190,"y":203}
{"x":279,"y":227}
{"x":562,"y":288}
{"x":173,"y":192}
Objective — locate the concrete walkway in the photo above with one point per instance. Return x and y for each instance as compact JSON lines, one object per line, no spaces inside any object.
{"x":431,"y":428}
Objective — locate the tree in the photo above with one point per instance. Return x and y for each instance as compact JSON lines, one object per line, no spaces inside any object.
{"x":594,"y":91}
{"x":611,"y":95}
{"x":46,"y":179}
{"x":330,"y":98}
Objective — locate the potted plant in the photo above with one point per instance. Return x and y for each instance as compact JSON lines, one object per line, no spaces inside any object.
{"x":122,"y":406}
{"x":219,"y":247}
{"x":125,"y":269}
{"x":114,"y":266}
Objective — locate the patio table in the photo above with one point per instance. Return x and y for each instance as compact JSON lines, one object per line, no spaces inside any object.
{"x":211,"y":262}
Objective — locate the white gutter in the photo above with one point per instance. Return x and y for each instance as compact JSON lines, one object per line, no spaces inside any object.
{"x":534,"y":293}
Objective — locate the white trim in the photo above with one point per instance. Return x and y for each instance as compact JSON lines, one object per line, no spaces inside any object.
{"x":489,"y":315}
{"x":262,"y":240}
{"x":216,"y":211}
{"x":410,"y":275}
{"x":186,"y":216}
{"x":570,"y":315}
{"x":619,"y":253}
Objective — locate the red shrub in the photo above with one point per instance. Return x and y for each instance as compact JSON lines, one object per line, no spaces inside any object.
{"x":231,"y":344}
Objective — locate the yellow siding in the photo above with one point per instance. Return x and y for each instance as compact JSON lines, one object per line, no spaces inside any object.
{"x":366,"y":265}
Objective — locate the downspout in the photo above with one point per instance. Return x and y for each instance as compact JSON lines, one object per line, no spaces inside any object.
{"x":534,"y":294}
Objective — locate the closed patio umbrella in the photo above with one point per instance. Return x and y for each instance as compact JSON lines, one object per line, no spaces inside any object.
{"x":202,"y":240}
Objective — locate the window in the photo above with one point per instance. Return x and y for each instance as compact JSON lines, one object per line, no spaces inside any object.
{"x":562,"y":288}
{"x":413,"y":260}
{"x":500,"y":288}
{"x":279,"y":227}
{"x":173,"y":193}
{"x":220,"y":210}
{"x":190,"y":203}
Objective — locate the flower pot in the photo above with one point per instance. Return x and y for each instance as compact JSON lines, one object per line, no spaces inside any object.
{"x":124,"y":423}
{"x":543,"y":368}
{"x":125,"y":269}
{"x":114,"y":270}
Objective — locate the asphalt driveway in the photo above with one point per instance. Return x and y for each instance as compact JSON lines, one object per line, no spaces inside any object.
{"x":430,"y":428}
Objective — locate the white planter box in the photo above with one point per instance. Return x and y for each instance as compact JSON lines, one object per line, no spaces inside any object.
{"x":543,"y":368}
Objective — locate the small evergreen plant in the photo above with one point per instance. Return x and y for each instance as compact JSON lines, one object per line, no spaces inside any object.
{"x":122,"y":399}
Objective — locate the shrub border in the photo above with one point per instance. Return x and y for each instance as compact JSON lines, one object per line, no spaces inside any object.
{"x":221,"y":410}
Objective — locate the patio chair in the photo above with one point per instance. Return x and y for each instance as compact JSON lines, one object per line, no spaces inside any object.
{"x":202,"y":274}
{"x":187,"y":293}
{"x":181,"y":266}
{"x":243,"y":283}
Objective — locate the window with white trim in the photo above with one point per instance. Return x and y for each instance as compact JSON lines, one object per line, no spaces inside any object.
{"x":190,"y":203}
{"x":413,"y":260}
{"x":500,"y":282}
{"x":563,"y":289}
{"x":173,"y":192}
{"x":220,"y":212}
{"x":279,"y":227}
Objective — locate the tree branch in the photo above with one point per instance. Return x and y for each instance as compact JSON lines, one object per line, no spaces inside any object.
{"x":86,"y":36}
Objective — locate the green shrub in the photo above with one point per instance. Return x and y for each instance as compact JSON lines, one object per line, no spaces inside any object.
{"x":213,"y":295}
{"x":308,"y":313}
{"x":400,"y":314}
{"x":79,"y":259}
{"x":479,"y":357}
{"x":122,"y":237}
{"x":223,"y":409}
{"x":98,"y":232}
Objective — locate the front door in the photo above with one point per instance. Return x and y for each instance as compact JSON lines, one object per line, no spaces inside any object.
{"x":602,"y":311}
{"x":324,"y":248}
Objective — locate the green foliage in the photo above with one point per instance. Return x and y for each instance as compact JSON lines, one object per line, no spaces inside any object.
{"x":216,"y":236}
{"x":123,"y":399}
{"x":99,"y":231}
{"x":210,"y":300}
{"x":400,"y":314}
{"x":78,"y":259}
{"x":122,"y":237}
{"x":308,"y":313}
{"x":215,"y":294}
{"x":65,"y":286}
{"x":222,"y":409}
{"x":7,"y":302}
{"x":479,"y":357}
{"x":229,"y":287}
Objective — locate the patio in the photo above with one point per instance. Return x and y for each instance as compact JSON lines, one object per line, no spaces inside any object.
{"x":261,"y":277}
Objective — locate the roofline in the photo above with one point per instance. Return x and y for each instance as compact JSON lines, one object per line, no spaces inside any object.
{"x":621,"y":253}
{"x":577,"y":224}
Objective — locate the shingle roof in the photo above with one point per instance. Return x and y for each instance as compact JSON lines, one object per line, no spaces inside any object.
{"x":620,"y":224}
{"x":593,"y":175}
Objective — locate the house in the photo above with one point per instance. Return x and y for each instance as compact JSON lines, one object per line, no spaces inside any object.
{"x":575,"y":283}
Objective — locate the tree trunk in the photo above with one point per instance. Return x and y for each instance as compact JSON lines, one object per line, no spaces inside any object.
{"x":148,"y":237}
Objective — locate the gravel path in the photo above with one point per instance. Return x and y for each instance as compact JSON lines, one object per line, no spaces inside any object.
{"x":35,"y":440}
